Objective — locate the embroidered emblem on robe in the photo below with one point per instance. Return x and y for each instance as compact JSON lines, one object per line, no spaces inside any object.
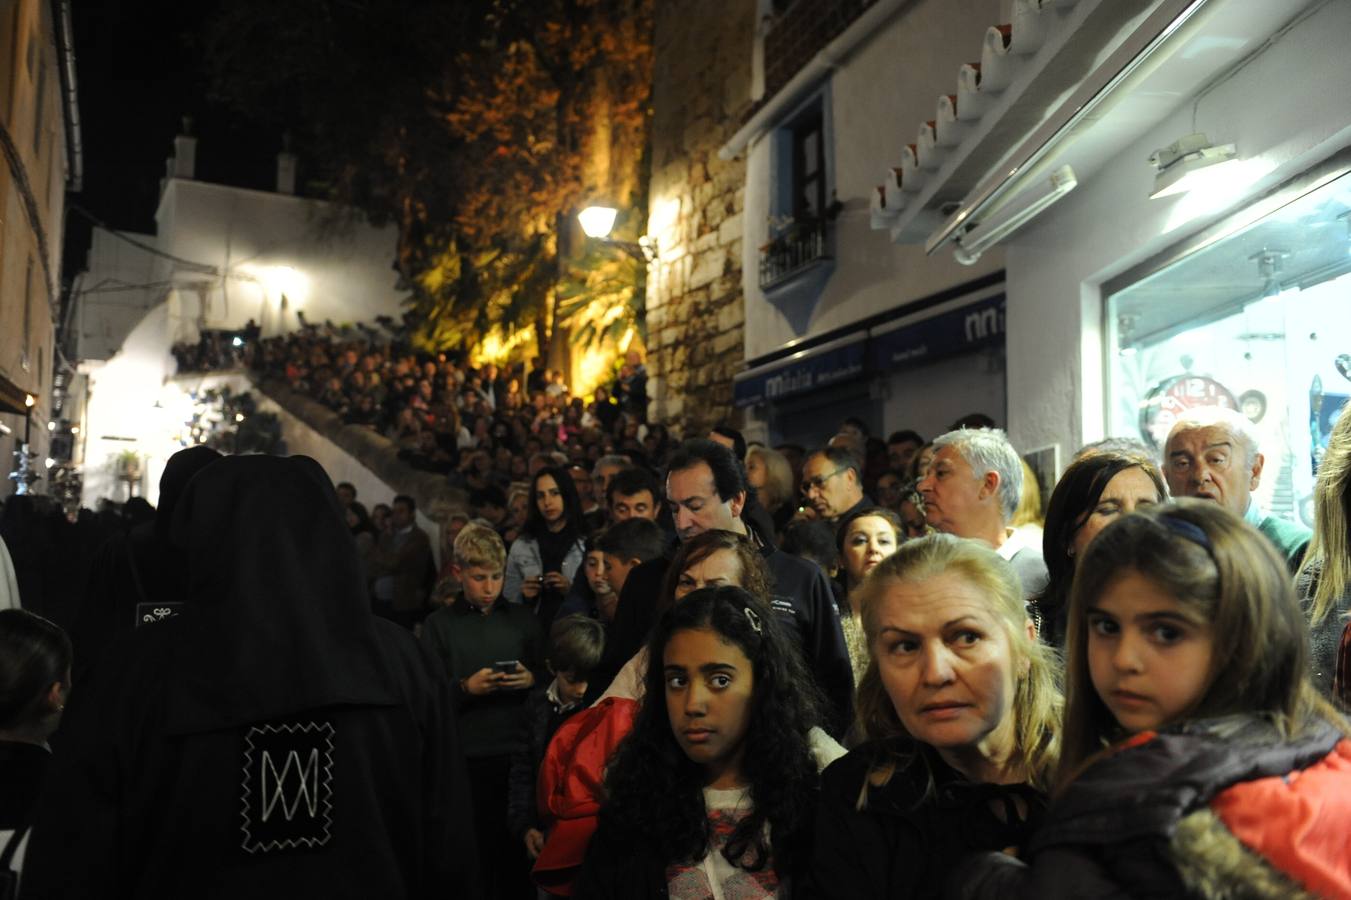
{"x":287,"y":786}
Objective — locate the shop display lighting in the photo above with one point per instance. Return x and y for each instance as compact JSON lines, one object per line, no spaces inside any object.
{"x":1125,"y":330}
{"x":1189,"y":164}
{"x":976,"y":239}
{"x":1269,"y":269}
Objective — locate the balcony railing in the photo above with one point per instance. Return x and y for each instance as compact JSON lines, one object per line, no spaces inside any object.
{"x":797,"y":248}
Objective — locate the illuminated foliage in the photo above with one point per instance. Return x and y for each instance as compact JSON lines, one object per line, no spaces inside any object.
{"x":477,"y":127}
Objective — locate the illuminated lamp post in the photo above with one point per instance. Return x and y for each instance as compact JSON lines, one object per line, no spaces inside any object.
{"x":598,"y":221}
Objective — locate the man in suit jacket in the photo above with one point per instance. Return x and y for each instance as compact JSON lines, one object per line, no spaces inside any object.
{"x":400,"y":565}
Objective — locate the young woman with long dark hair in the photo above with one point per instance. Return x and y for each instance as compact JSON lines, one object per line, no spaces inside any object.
{"x":712,"y":792}
{"x":864,"y":539}
{"x":544,"y":559}
{"x":1097,"y":489}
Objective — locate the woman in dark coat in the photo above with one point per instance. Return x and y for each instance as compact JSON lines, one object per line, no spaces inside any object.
{"x":34,"y":683}
{"x":960,"y":712}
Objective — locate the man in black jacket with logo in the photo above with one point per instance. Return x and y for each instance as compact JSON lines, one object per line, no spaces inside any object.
{"x":706,"y":491}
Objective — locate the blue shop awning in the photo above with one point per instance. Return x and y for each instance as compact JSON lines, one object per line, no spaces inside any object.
{"x":961,"y":330}
{"x":810,"y":370}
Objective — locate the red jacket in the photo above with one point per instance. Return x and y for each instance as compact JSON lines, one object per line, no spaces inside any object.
{"x":571,"y":788}
{"x":1160,"y":815}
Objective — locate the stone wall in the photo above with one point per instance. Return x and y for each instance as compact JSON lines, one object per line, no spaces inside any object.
{"x":695,"y":307}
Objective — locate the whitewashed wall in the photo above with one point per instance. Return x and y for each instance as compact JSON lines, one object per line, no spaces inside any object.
{"x":879,"y":95}
{"x":329,"y":264}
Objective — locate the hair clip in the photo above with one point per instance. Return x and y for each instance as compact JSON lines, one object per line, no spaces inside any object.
{"x":753,"y":618}
{"x":1184,"y":529}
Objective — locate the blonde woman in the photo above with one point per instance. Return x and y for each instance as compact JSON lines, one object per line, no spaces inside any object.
{"x":1324,"y":580}
{"x":959,"y":709}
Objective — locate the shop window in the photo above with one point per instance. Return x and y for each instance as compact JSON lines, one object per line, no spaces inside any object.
{"x":1259,"y":321}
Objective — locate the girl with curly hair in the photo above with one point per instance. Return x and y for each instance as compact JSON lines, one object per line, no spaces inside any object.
{"x":711,"y":793}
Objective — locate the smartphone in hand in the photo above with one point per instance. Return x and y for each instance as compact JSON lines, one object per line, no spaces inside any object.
{"x":505,"y":667}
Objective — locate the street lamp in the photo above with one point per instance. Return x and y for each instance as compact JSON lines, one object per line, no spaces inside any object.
{"x":598,"y":221}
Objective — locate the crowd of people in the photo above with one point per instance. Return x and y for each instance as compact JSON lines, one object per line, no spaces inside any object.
{"x":689,"y":669}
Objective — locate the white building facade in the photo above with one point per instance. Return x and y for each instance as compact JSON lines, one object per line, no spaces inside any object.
{"x":221,"y":257}
{"x":1018,"y":137}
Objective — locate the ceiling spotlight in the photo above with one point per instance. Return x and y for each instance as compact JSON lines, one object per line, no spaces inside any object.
{"x":1189,"y":164}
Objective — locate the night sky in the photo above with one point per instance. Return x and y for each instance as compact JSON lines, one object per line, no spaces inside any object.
{"x":138,"y":74}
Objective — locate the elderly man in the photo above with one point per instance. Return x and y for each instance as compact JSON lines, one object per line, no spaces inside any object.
{"x":604,"y":471}
{"x":832,"y":484}
{"x":972,"y":489}
{"x":1212,"y":454}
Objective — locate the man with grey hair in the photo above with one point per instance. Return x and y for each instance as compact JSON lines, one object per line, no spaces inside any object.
{"x":604,"y":471}
{"x":971,"y":491}
{"x":1212,"y":454}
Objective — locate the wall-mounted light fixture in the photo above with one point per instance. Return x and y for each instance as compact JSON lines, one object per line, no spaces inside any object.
{"x":1004,"y":221}
{"x":1190,"y":163}
{"x":598,"y":221}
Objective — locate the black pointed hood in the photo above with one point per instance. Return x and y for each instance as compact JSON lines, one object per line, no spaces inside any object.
{"x":276,"y":619}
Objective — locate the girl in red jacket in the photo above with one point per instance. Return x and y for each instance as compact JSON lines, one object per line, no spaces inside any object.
{"x":1198,"y":760}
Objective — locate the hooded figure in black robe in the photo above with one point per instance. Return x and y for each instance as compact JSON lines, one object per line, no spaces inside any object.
{"x":273,"y":739}
{"x":138,"y":576}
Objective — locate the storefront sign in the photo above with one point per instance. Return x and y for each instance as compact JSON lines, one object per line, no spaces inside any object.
{"x":972,"y":327}
{"x":798,"y":376}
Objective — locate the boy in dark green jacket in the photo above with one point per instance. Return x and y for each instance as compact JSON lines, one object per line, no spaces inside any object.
{"x":491,"y":651}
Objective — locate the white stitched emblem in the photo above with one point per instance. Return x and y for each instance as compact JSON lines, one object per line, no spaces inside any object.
{"x":288,"y":786}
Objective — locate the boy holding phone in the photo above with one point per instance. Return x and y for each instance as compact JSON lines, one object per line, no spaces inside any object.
{"x":491,"y":652}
